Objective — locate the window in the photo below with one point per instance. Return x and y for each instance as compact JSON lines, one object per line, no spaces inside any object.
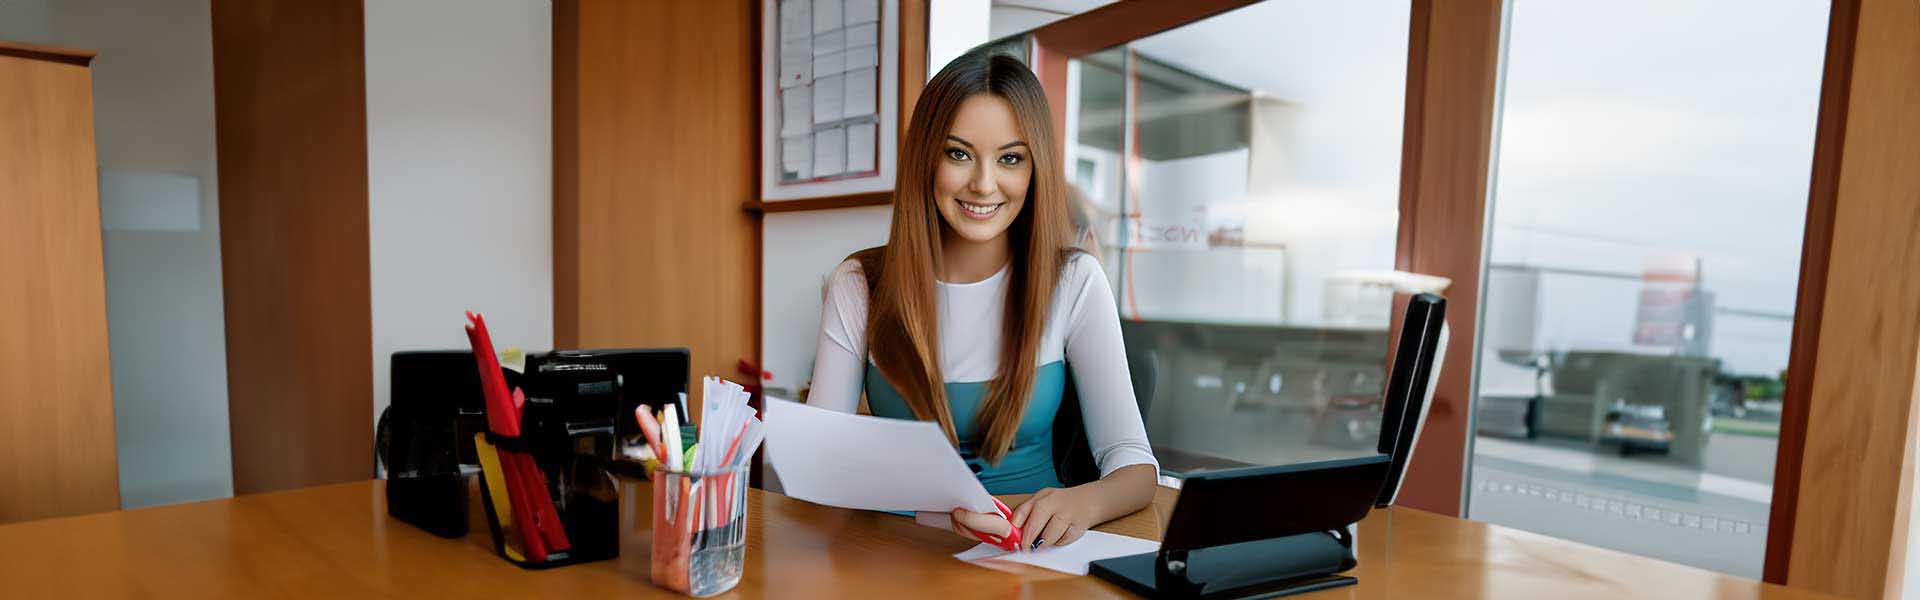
{"x":1641,"y":275}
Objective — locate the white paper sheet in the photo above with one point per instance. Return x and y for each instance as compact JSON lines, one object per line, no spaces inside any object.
{"x":796,"y":156}
{"x":796,"y":20}
{"x":862,"y":93}
{"x":863,"y":35}
{"x":796,"y":63}
{"x":1072,"y":558}
{"x":861,"y":57}
{"x":826,"y":15}
{"x":830,"y":42}
{"x":862,"y":11}
{"x":860,"y":147}
{"x":829,"y":64}
{"x":829,"y":152}
{"x":796,"y":111}
{"x":828,"y":99}
{"x":868,"y":463}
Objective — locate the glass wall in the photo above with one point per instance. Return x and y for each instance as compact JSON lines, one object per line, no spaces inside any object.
{"x":1239,"y":178}
{"x":1642,"y":266}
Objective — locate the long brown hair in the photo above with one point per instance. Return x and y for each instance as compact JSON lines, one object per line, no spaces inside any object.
{"x":902,"y":333}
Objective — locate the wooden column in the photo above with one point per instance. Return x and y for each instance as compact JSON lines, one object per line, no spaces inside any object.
{"x":1857,"y":466}
{"x":291,"y":124}
{"x":654,"y":150}
{"x":1453,"y":58}
{"x":56,"y":385}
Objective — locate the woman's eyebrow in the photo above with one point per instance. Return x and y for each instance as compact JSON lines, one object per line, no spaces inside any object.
{"x":969,"y":145}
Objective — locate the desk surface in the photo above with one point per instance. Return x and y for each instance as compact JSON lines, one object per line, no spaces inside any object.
{"x":336,"y":541}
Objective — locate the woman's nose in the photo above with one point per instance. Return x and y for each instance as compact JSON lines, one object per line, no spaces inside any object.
{"x":982,"y":181}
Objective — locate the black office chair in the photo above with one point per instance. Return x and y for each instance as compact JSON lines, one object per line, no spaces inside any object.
{"x":1072,"y":455}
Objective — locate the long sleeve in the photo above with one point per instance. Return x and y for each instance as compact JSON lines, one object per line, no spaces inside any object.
{"x":1098,"y":356}
{"x":839,"y":362}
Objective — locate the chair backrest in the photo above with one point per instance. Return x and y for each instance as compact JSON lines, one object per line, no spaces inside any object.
{"x":1072,"y":454}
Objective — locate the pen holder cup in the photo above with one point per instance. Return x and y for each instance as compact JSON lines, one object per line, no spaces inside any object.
{"x":571,"y":499}
{"x":699,"y":530}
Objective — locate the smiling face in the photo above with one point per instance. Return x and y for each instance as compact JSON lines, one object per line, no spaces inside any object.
{"x":980,"y":183}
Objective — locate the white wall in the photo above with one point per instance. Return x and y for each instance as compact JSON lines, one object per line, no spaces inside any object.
{"x":799,"y":250}
{"x":953,"y":28}
{"x":153,"y":114}
{"x":459,"y":138}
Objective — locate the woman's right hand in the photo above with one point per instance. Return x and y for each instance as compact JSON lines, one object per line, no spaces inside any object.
{"x":965,"y":522}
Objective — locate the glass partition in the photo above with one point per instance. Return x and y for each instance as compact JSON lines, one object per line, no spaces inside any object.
{"x":1239,"y":178}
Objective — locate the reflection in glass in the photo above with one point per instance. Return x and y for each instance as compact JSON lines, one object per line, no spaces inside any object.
{"x":1642,"y":271}
{"x":1239,"y":177}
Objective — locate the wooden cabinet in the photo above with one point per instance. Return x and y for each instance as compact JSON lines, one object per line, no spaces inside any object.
{"x":56,"y":390}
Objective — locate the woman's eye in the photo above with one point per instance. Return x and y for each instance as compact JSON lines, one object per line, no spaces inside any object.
{"x":957,"y":154}
{"x":1011,"y":159}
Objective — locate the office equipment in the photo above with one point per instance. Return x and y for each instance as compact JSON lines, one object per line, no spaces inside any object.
{"x":552,"y":448}
{"x":652,"y":377}
{"x":868,"y":463}
{"x":56,"y":392}
{"x":424,"y":438}
{"x":1261,"y":532}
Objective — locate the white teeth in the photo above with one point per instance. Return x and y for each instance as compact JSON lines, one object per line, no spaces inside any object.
{"x":980,"y":209}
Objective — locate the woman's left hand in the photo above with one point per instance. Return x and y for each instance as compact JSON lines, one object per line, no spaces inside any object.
{"x":1055,"y":516}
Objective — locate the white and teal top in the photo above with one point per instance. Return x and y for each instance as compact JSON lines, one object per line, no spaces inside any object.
{"x":1083,"y":328}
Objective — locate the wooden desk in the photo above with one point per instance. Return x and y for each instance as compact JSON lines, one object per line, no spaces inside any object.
{"x":336,"y":541}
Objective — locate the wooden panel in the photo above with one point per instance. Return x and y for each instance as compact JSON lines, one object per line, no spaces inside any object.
{"x":913,"y":57}
{"x":56,"y":387}
{"x":71,"y":56}
{"x":651,"y":247}
{"x":1452,"y":67}
{"x":1121,"y":22}
{"x":826,"y":203}
{"x":336,"y":542}
{"x":1829,"y":135}
{"x":1856,"y":479}
{"x":566,"y":173}
{"x":290,"y":123}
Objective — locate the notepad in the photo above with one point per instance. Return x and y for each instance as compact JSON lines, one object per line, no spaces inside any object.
{"x":1072,"y":558}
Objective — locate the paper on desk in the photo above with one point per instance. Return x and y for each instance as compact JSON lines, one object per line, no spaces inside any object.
{"x":868,"y":463}
{"x":1071,"y":558}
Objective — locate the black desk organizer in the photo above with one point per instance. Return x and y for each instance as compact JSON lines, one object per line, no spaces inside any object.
{"x":1262,"y":532}
{"x":568,"y":428}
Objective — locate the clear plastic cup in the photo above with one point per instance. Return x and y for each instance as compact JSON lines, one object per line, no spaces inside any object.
{"x":699,"y":530}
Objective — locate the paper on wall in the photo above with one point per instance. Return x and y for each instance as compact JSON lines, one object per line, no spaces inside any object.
{"x":829,"y":152}
{"x":796,"y":106}
{"x":796,"y":64}
{"x":861,"y":94}
{"x":828,"y":103}
{"x":863,"y":35}
{"x":862,"y":11}
{"x":868,"y":463}
{"x":829,"y":42}
{"x":861,"y":57}
{"x":796,"y":20}
{"x":860,"y":147}
{"x":826,"y":15}
{"x":829,"y":64}
{"x":796,"y":156}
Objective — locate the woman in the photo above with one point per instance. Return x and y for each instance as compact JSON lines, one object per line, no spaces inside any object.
{"x":970,"y":313}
